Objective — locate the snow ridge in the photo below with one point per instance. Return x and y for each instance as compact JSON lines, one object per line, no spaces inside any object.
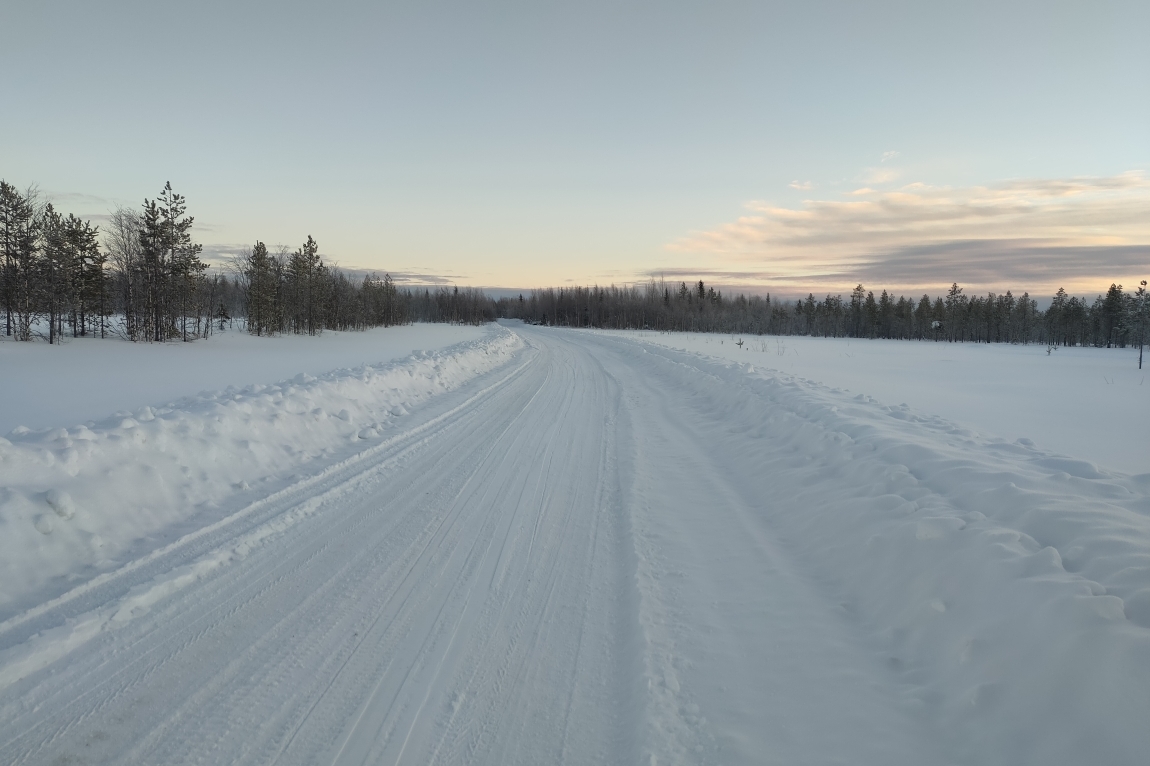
{"x":74,"y":499}
{"x":1006,"y":586}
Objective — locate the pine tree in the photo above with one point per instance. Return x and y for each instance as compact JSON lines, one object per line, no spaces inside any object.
{"x":305,"y":277}
{"x":171,"y":265}
{"x":956,"y":305}
{"x":186,"y":270}
{"x":391,"y":314}
{"x":1113,"y":313}
{"x":122,"y":242}
{"x":153,"y":264}
{"x":1141,"y":317}
{"x":870,"y":316}
{"x":55,"y":267}
{"x":885,"y":315}
{"x":262,"y":282}
{"x":85,"y":279}
{"x":20,"y":230}
{"x":858,"y":297}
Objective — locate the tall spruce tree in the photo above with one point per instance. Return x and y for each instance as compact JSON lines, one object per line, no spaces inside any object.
{"x":20,"y":239}
{"x":55,"y":269}
{"x":1112,"y":324}
{"x":185,"y":267}
{"x":1141,"y":311}
{"x":262,"y":283}
{"x":153,"y":256}
{"x":86,"y":273}
{"x":171,"y":264}
{"x":305,"y":277}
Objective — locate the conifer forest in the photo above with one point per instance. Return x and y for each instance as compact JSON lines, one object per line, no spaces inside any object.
{"x":141,"y":277}
{"x":1117,"y":319}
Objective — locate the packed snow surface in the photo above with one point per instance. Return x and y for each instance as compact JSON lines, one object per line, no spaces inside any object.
{"x":559,"y":546}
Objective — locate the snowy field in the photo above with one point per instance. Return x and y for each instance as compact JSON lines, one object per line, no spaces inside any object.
{"x":540,"y":545}
{"x":98,"y":490}
{"x":88,"y":378}
{"x":1089,"y":403}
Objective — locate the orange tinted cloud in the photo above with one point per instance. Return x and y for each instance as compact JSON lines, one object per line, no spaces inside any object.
{"x":1029,"y":233}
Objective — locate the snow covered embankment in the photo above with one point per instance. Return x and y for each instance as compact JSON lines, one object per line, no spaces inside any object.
{"x":74,"y":499}
{"x":1008,"y":588}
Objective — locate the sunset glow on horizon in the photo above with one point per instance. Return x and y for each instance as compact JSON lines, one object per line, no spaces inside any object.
{"x":757,"y":146}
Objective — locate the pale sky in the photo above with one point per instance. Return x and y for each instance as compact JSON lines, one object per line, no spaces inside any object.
{"x":792,"y":147}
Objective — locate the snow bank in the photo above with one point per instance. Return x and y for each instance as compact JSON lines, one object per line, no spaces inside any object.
{"x":84,"y":379}
{"x":1007,"y":588}
{"x":1090,"y":403}
{"x":75,"y":498}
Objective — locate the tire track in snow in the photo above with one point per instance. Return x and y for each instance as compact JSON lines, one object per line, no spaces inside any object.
{"x":498,"y":587}
{"x":500,"y":549}
{"x":979,"y":576}
{"x":403,"y":445}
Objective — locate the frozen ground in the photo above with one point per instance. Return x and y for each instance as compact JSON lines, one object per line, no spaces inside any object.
{"x":555,"y":546}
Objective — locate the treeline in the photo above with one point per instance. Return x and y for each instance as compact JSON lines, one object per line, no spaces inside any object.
{"x":53,"y":268}
{"x":1118,"y":318}
{"x":295,"y":292}
{"x":143,"y":278}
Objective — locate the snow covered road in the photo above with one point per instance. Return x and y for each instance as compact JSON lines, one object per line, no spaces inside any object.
{"x":603,"y":551}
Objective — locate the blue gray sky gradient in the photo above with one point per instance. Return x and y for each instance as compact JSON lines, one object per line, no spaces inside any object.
{"x":791,"y":146}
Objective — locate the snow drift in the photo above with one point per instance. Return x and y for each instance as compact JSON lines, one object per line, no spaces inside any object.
{"x":605,"y":551}
{"x":72,"y":499}
{"x":1008,"y":588}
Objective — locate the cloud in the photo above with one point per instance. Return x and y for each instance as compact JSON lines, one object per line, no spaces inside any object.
{"x":1021,"y":264}
{"x":1029,"y":233}
{"x":413,"y":279}
{"x":221,"y":254}
{"x":888,"y":156}
{"x":801,"y":185}
{"x":977,"y":265}
{"x":224,"y":256}
{"x":881,"y":175}
{"x":73,"y":199}
{"x":741,"y":280}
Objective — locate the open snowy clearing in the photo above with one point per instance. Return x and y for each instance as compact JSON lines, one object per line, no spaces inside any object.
{"x":87,"y":379}
{"x":556,"y":546}
{"x":76,"y":501}
{"x":1091,"y":403}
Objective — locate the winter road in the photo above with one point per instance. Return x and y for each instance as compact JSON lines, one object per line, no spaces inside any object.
{"x":575,"y":559}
